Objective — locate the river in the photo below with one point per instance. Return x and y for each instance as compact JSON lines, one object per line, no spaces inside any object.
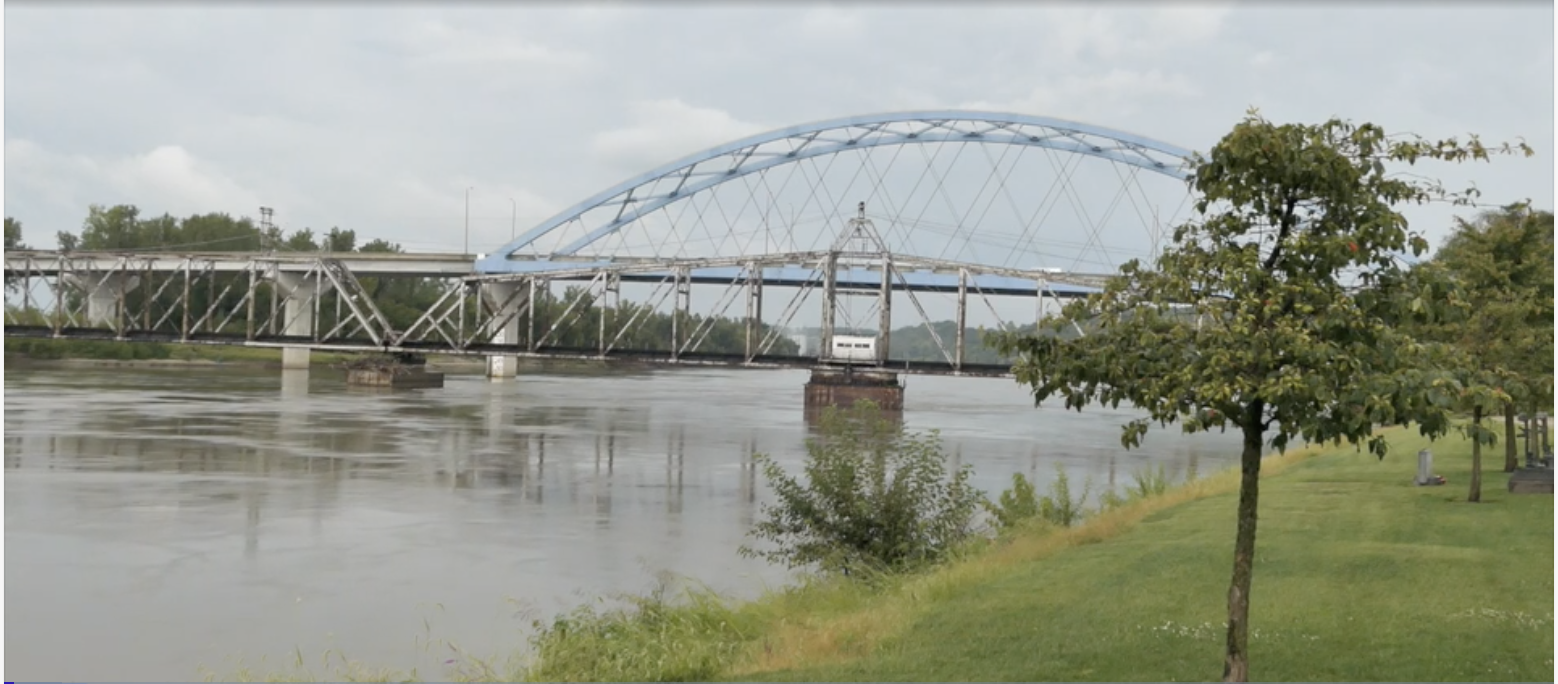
{"x":160,"y":521}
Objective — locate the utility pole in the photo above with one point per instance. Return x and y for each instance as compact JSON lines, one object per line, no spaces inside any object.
{"x":266,"y":244}
{"x":468,"y":219}
{"x":514,"y":221}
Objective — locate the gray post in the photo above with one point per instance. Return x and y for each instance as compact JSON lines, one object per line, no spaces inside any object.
{"x":962,"y":315}
{"x":611,"y":298}
{"x":754,"y":308}
{"x":1541,"y":437}
{"x":683,"y":305}
{"x":886,"y":324}
{"x":530,"y":313}
{"x":829,"y":299}
{"x":1425,"y":467}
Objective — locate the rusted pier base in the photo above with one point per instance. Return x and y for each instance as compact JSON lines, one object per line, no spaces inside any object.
{"x":842,"y":387}
{"x":404,"y":371}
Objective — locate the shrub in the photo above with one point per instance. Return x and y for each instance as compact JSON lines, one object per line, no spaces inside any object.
{"x":652,"y":639}
{"x":1058,"y":508}
{"x":1149,"y":482}
{"x":874,"y":499}
{"x":1016,"y":505}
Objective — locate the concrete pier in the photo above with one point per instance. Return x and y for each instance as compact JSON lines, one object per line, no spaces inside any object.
{"x":508,"y":301}
{"x":843,"y":386}
{"x":298,"y":293}
{"x":103,"y":291}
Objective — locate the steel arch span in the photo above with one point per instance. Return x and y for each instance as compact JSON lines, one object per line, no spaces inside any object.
{"x":610,"y":211}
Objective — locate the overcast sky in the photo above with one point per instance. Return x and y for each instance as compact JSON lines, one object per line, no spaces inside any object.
{"x":376,"y":118}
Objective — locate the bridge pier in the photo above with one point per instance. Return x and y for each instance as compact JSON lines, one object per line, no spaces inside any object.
{"x":299,"y":307}
{"x":508,"y":302}
{"x":842,"y":387}
{"x":103,"y":291}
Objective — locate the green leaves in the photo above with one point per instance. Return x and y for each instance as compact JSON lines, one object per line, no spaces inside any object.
{"x":874,"y":498}
{"x":1285,"y":292}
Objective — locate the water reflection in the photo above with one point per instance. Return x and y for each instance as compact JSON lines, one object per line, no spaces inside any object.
{"x":255,"y":512}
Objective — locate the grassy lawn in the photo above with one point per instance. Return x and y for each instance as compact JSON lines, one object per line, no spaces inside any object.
{"x":1358,"y":576}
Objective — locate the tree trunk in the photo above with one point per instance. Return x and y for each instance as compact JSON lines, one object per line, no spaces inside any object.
{"x":1236,"y":666}
{"x":1511,"y":458}
{"x":1476,"y":456}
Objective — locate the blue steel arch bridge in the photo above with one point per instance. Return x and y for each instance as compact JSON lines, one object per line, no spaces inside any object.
{"x":856,"y":227}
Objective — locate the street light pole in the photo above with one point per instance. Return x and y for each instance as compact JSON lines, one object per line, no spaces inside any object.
{"x":514,"y":221}
{"x":468,"y":219}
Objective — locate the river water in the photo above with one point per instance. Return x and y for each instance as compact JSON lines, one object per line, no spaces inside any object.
{"x":160,"y":521}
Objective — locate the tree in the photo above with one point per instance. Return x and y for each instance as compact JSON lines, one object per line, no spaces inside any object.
{"x":13,"y":235}
{"x":301,"y":241}
{"x":338,"y":240}
{"x":1292,"y":265}
{"x":1502,"y":262}
{"x":875,"y":498}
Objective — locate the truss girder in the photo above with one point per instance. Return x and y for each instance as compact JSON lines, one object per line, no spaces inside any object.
{"x":638,"y":197}
{"x":253,"y":303}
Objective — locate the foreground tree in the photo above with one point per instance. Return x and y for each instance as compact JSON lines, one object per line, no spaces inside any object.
{"x":1270,"y":313}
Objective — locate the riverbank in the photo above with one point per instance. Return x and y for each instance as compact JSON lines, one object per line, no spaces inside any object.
{"x":1359,"y":576}
{"x":96,"y":354}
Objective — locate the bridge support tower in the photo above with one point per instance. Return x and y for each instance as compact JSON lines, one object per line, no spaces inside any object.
{"x":300,"y":295}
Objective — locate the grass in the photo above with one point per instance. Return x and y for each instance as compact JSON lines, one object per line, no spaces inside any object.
{"x":1359,"y":575}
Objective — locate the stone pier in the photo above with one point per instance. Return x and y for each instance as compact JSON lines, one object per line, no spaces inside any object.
{"x":843,"y":386}
{"x":402,"y":371}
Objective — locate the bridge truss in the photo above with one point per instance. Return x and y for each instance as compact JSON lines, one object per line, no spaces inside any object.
{"x":320,"y":302}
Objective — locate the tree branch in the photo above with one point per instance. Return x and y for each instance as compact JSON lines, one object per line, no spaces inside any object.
{"x":1290,"y":204}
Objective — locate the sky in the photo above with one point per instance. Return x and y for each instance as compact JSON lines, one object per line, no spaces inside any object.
{"x":377,"y":118}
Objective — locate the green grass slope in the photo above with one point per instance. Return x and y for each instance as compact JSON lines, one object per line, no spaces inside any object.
{"x":1359,"y":575}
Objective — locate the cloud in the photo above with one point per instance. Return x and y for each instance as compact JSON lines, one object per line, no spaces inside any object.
{"x":370,"y":120}
{"x":1188,"y":24}
{"x":440,"y":43}
{"x":665,"y":130}
{"x":831,"y":22}
{"x":165,"y":179}
{"x":1113,"y":95}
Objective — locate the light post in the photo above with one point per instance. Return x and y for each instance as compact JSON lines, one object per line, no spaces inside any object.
{"x":468,"y":219}
{"x":514,"y":221}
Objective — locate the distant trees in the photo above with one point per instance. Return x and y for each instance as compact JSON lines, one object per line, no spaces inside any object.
{"x":1499,"y":266}
{"x":13,"y":235}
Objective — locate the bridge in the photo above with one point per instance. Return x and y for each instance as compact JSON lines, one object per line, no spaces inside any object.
{"x":727,"y":222}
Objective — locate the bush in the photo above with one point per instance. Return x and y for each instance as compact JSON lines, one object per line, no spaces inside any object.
{"x":875,"y":499}
{"x":1020,"y":505}
{"x":653,"y":639}
{"x":1016,"y":505}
